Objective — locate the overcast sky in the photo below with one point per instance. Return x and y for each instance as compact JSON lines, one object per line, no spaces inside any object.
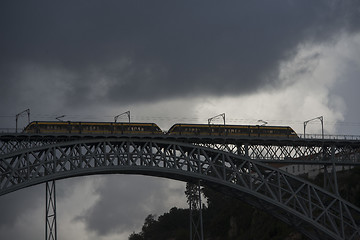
{"x":283,"y":62}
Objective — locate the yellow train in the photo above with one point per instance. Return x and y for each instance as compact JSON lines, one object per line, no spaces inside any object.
{"x":232,"y":130}
{"x":152,"y":128}
{"x":92,"y":127}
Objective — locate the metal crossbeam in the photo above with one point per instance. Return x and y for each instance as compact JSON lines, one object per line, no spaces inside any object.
{"x":314,"y":211}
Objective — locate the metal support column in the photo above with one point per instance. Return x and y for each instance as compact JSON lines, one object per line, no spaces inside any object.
{"x":195,"y":207}
{"x":336,"y":188}
{"x":50,"y":221}
{"x":330,"y":177}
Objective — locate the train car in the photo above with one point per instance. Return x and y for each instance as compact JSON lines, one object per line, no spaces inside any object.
{"x":232,"y":130}
{"x":92,"y":127}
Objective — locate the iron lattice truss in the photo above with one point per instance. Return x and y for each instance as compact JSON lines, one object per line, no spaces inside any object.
{"x":15,"y":145}
{"x":312,"y":210}
{"x":289,"y":151}
{"x":304,"y":153}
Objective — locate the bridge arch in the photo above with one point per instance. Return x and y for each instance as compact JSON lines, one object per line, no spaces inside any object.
{"x":310,"y":209}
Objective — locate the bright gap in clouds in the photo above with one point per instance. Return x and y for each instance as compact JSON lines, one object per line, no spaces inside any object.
{"x":309,"y":81}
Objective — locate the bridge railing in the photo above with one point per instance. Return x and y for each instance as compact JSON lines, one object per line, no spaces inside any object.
{"x":9,"y":130}
{"x":328,"y":136}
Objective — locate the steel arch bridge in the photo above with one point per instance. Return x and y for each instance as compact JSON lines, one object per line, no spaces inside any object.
{"x":311,"y":210}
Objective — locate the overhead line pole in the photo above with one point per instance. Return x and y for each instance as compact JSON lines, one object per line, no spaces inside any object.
{"x":220,"y":115}
{"x":18,"y":115}
{"x":117,"y":116}
{"x":321,"y":118}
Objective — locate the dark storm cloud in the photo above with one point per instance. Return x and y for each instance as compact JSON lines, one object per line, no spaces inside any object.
{"x":15,"y":205}
{"x":150,"y":50}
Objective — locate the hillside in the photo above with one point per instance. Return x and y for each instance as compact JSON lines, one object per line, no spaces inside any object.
{"x":227,"y":218}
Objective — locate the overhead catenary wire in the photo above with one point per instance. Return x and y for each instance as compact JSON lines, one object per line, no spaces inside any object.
{"x":85,"y":117}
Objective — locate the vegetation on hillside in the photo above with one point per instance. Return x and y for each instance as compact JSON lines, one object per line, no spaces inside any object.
{"x":227,"y":218}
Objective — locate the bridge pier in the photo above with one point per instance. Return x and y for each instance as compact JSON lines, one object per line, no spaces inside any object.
{"x":330,"y":177}
{"x":193,"y":192}
{"x":50,"y":218}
